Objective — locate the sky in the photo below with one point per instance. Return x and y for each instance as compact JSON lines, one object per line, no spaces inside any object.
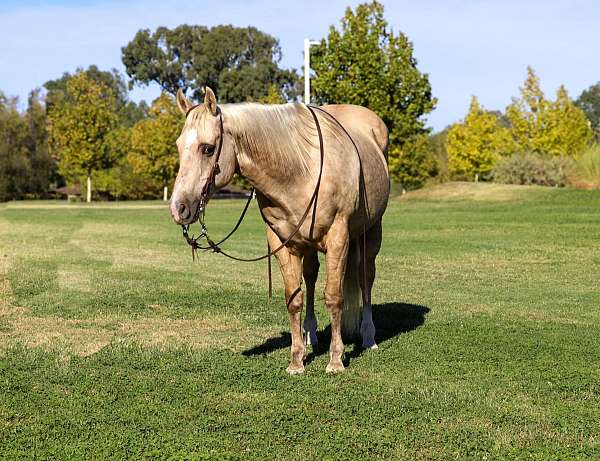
{"x":467,"y":47}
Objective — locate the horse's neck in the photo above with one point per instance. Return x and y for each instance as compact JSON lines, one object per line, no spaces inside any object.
{"x":274,"y":175}
{"x":277,"y":186}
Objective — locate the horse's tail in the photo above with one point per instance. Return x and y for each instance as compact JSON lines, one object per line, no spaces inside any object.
{"x":351,"y":315}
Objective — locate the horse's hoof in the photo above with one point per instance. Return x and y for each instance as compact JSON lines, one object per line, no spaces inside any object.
{"x":295,"y":370}
{"x":334,"y":367}
{"x":370,"y":346}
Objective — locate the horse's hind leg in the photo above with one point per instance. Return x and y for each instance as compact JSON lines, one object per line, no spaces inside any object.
{"x":369,"y":248}
{"x":310,"y":269}
{"x":338,"y":242}
{"x":291,"y":270}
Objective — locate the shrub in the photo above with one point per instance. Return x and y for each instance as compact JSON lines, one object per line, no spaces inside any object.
{"x":586,"y":171}
{"x":531,"y":168}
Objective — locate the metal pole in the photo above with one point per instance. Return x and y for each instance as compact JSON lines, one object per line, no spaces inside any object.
{"x":307,"y":43}
{"x":306,"y":71}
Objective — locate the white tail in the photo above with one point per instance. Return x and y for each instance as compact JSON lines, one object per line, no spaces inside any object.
{"x":351,"y":315}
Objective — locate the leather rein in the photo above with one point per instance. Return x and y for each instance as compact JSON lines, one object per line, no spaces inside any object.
{"x":213,"y":246}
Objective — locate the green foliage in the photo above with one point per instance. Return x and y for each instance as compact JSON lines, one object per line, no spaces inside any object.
{"x":238,"y":63}
{"x":413,"y":164}
{"x":26,"y":169}
{"x":548,"y":127}
{"x":129,"y":112}
{"x":365,"y":63}
{"x":589,"y":102}
{"x":273,"y":96}
{"x":439,"y":154}
{"x":43,"y":168}
{"x":153,"y":150}
{"x":586,"y":172}
{"x":79,"y":123}
{"x":14,"y":165}
{"x":533,"y":168}
{"x":476,"y":144}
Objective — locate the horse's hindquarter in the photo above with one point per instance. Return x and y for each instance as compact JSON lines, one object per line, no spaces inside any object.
{"x":371,"y":137}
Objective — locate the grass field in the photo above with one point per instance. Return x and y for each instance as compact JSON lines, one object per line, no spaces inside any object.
{"x":114,"y":345}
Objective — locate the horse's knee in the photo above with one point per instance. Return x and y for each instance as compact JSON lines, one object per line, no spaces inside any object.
{"x":334,"y":302}
{"x":295,"y":302}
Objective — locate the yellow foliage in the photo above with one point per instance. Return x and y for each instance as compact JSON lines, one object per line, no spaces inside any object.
{"x":476,"y":144}
{"x":548,"y":127}
{"x":153,"y":150}
{"x":78,"y":124}
{"x":273,"y":97}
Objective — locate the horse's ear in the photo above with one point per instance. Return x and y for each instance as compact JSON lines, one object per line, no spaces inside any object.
{"x":210,"y":100}
{"x":183,"y":103}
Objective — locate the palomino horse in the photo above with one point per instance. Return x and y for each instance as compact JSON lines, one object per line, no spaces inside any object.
{"x":277,"y":149}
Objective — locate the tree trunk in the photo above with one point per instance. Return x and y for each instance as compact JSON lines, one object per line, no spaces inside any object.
{"x":166,"y":193}
{"x":88,"y":198}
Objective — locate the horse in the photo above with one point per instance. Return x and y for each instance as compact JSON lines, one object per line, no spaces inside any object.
{"x":277,"y":148}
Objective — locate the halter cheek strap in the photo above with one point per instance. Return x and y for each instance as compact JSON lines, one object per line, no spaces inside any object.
{"x":215,"y":170}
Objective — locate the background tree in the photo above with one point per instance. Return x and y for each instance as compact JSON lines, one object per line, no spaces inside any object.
{"x":153,"y":149}
{"x":365,"y":63}
{"x":414,"y":163}
{"x":547,"y":127}
{"x":43,"y":167}
{"x":14,"y":165}
{"x":128,"y":111}
{"x":238,"y":63}
{"x":589,"y":102}
{"x":78,"y":124}
{"x":476,"y":144}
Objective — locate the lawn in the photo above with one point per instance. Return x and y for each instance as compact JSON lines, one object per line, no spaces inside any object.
{"x":114,"y":344}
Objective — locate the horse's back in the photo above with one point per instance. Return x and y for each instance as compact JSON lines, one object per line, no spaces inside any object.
{"x":370,"y":134}
{"x":361,"y":120}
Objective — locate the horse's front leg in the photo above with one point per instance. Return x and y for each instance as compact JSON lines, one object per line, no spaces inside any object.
{"x":291,"y":270}
{"x":337,"y":253}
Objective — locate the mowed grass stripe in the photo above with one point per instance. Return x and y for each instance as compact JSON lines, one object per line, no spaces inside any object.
{"x":113,"y":344}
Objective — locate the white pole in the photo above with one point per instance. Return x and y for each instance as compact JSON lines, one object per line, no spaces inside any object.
{"x":306,"y":71}
{"x":88,"y":197}
{"x":307,"y":44}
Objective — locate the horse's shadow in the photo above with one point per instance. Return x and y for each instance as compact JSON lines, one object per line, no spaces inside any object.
{"x":390,"y":319}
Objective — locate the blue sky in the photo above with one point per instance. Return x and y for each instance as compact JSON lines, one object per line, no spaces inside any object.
{"x":467,"y":47}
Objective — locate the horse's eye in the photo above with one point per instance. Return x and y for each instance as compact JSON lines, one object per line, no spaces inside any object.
{"x":207,"y":149}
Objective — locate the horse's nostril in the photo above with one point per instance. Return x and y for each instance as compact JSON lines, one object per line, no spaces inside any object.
{"x":183,"y":210}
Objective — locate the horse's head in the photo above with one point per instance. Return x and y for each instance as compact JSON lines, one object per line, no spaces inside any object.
{"x":206,"y":157}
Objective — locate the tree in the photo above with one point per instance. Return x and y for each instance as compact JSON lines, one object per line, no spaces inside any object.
{"x":78,"y":124}
{"x":14,"y":165}
{"x":589,"y":102}
{"x":43,"y":167}
{"x":475,"y":144}
{"x":26,"y":168}
{"x":238,"y":63}
{"x":129,"y":112}
{"x":414,"y":163}
{"x":365,"y":63}
{"x":547,"y":127}
{"x":153,"y":149}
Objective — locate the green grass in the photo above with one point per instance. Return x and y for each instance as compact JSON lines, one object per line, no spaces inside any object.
{"x":114,"y":345}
